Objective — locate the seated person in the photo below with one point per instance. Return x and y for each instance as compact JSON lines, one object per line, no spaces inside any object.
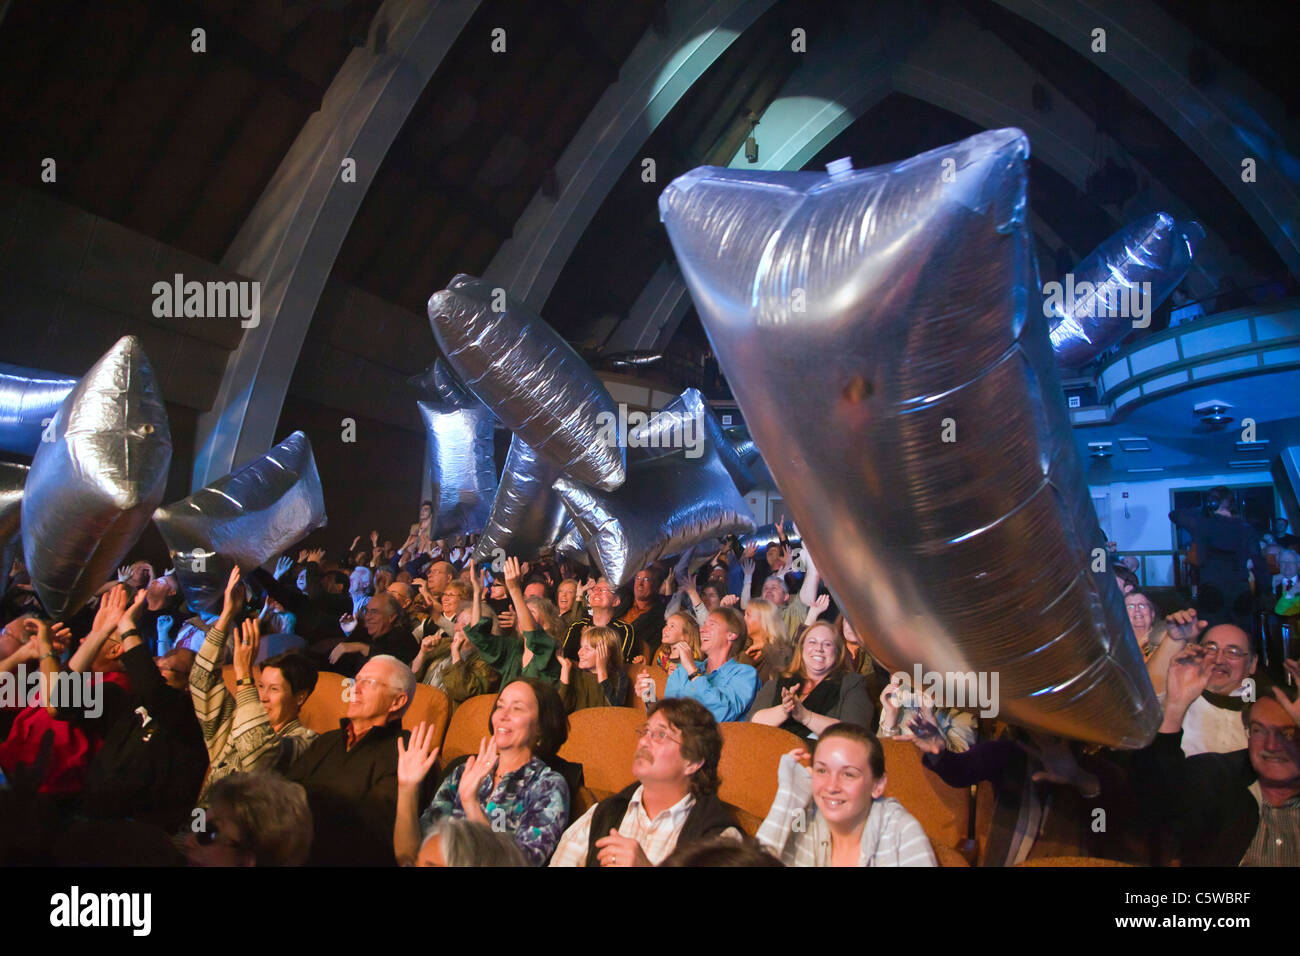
{"x":153,"y":758}
{"x":386,"y":626}
{"x":533,"y":655}
{"x":646,"y":612}
{"x":1147,"y":626}
{"x":1226,"y":809}
{"x":830,"y":809}
{"x":458,"y":842}
{"x":721,"y":682}
{"x":1212,"y":722}
{"x":350,"y":774}
{"x":507,"y":786}
{"x":679,"y":627}
{"x":673,"y":803}
{"x":600,"y":680}
{"x":770,"y":648}
{"x":601,"y":604}
{"x":258,"y":728}
{"x":816,"y":690}
{"x":252,"y":819}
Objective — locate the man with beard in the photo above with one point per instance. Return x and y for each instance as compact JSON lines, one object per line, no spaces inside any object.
{"x":674,"y":802}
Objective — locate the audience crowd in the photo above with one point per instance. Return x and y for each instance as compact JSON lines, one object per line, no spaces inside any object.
{"x":201,"y":747}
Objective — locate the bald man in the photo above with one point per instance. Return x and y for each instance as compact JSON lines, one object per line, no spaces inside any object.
{"x":1212,"y":721}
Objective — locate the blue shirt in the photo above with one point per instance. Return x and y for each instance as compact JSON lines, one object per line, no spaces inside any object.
{"x":727,"y":692}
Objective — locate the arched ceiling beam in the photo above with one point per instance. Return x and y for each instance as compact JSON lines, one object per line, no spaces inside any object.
{"x":292,"y":236}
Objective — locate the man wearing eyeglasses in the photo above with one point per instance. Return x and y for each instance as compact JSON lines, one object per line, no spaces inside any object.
{"x":1226,"y":809}
{"x":674,"y":801}
{"x":601,"y":604}
{"x":350,"y":774}
{"x":1210,"y":719}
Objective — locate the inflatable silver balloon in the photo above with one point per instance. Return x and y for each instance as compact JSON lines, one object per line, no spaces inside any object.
{"x":245,"y":518}
{"x":29,"y":398}
{"x":527,"y":513}
{"x":571,"y":543}
{"x":687,"y":422}
{"x":766,"y":535}
{"x":529,"y":377}
{"x":666,"y":505}
{"x":462,"y":469}
{"x":1120,"y":283}
{"x":12,"y":478}
{"x":92,"y":488}
{"x":874,"y":327}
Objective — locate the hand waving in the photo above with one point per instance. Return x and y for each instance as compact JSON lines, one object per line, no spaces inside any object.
{"x":414,"y":761}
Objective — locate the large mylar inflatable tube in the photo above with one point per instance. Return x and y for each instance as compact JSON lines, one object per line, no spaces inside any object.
{"x":29,"y":398}
{"x":244,"y":518}
{"x":527,"y":513}
{"x":12,"y":478}
{"x":530,"y":378}
{"x":928,"y":459}
{"x":462,"y":468}
{"x":93,"y":488}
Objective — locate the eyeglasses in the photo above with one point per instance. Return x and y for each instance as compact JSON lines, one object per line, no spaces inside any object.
{"x":1290,"y":734}
{"x":658,"y":736}
{"x":1232,"y":652}
{"x":209,"y":835}
{"x":1141,"y":609}
{"x":370,"y":682}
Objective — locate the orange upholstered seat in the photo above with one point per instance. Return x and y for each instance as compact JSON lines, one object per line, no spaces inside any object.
{"x":602,"y":740}
{"x":1072,"y":861}
{"x":751,"y":754}
{"x":468,"y":727}
{"x":633,"y":671}
{"x":943,"y":811}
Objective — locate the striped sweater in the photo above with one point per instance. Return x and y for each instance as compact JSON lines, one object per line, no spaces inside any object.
{"x":237,"y":730}
{"x":796,"y":833}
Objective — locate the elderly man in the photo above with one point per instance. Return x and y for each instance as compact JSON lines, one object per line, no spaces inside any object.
{"x":721,"y":682}
{"x":385,"y":625}
{"x":673,"y":803}
{"x":1240,"y":808}
{"x":1211,"y":723}
{"x":600,"y":603}
{"x":646,"y":613}
{"x":350,"y":774}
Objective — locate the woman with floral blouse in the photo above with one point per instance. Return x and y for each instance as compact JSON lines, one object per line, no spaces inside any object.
{"x":507,"y":785}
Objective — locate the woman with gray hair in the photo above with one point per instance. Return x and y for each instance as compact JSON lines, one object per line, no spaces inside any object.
{"x":252,"y":819}
{"x":460,"y":842}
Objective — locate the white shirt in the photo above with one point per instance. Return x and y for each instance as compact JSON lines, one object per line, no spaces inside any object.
{"x":657,"y":837}
{"x":1214,"y":730}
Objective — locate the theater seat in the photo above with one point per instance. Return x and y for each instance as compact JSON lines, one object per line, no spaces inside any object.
{"x":943,"y":811}
{"x":468,"y":727}
{"x":327,"y":704}
{"x":602,"y":739}
{"x":1072,"y":861}
{"x":947,"y":856}
{"x":430,"y":706}
{"x":660,"y":678}
{"x":751,"y":754}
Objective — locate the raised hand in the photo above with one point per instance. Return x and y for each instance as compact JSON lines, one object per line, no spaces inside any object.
{"x":414,"y":761}
{"x":1189,"y":675}
{"x":124,"y":573}
{"x":60,"y":637}
{"x":458,"y":644}
{"x":1183,"y":626}
{"x":512,"y":572}
{"x":730,"y":600}
{"x":111,"y":607}
{"x":234,"y":595}
{"x":750,"y":551}
{"x":566,"y":667}
{"x":747,"y":564}
{"x":374,"y":538}
{"x":282,"y":567}
{"x":317,"y":555}
{"x":817,"y":609}
{"x":355,"y":542}
{"x":127,"y":621}
{"x":780,"y":528}
{"x":246,"y":643}
{"x":926,"y":733}
{"x":477,"y":769}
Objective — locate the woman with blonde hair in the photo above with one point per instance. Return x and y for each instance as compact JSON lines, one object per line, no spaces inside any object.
{"x":678,"y":627}
{"x":600,"y":680}
{"x":770,"y":649}
{"x":816,"y":690}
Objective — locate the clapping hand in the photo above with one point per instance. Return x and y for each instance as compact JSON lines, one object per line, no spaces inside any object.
{"x":477,"y":769}
{"x":247,"y":640}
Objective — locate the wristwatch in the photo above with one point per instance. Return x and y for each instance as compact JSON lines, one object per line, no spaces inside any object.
{"x":695,"y":675}
{"x":131,"y":633}
{"x":244,"y":682}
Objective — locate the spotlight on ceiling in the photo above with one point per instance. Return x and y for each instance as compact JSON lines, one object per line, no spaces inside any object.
{"x":1213,"y":413}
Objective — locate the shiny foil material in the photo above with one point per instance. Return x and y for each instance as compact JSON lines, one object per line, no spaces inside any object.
{"x":92,"y":489}
{"x":462,"y":469}
{"x":1098,"y":313}
{"x":765,"y":535}
{"x":687,"y":422}
{"x":245,"y":518}
{"x":666,"y":505}
{"x":530,"y":378}
{"x":527,"y":513}
{"x":873,"y":327}
{"x":572,"y":544}
{"x":28,"y":398}
{"x":12,"y":478}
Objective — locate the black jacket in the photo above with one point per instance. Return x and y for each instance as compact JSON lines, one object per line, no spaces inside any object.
{"x":149,"y":770}
{"x":352,"y":795}
{"x":708,"y":818}
{"x":1204,"y":800}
